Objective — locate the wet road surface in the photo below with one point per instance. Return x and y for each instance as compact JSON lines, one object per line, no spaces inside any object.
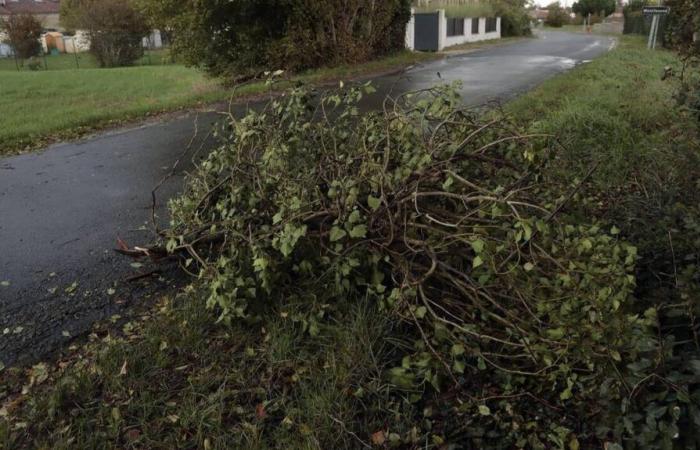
{"x":62,"y":210}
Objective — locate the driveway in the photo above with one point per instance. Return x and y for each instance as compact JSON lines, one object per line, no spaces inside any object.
{"x":62,"y":210}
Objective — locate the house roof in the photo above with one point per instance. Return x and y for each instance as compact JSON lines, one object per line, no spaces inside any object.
{"x":539,"y":13}
{"x":8,"y":7}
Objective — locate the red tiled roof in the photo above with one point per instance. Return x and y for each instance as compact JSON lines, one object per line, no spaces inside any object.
{"x":8,"y":7}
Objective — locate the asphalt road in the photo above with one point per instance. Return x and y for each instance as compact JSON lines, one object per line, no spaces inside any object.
{"x":62,"y":209}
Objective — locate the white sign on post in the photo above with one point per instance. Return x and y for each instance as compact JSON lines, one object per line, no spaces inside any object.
{"x":655,"y":12}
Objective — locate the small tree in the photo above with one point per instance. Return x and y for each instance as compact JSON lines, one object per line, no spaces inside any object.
{"x":115,"y":29}
{"x":600,"y":7}
{"x":23,"y":33}
{"x":557,"y":15}
{"x":515,"y":20}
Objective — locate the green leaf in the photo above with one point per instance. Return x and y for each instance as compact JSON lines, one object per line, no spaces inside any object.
{"x":478,"y":245}
{"x":614,"y":230}
{"x":374,"y":202}
{"x":358,"y":231}
{"x":555,"y":333}
{"x":484,"y":410}
{"x":566,"y":394}
{"x":477,"y":262}
{"x":528,"y":266}
{"x":337,"y":234}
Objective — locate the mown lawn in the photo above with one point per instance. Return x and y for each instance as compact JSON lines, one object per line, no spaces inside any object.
{"x":39,"y":105}
{"x":44,"y":106}
{"x":82,"y":60}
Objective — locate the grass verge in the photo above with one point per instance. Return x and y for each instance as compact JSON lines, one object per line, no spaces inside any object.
{"x":45,"y":106}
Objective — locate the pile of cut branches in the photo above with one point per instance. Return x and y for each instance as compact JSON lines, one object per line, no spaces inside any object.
{"x":518,"y":317}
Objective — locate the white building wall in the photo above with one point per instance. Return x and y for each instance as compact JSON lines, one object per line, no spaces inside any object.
{"x":468,"y":36}
{"x":442,"y":29}
{"x":448,"y":41}
{"x":411,"y":31}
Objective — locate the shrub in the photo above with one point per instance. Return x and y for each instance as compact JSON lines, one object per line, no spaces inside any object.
{"x":683,"y":34}
{"x":114,"y":27}
{"x":247,"y":37}
{"x":23,"y":33}
{"x":523,"y":326}
{"x":557,"y":16}
{"x":602,"y":8}
{"x":515,"y":20}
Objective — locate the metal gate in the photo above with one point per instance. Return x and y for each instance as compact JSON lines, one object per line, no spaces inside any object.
{"x":427,"y":31}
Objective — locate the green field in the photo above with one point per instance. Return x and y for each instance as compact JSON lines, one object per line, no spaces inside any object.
{"x":42,"y":106}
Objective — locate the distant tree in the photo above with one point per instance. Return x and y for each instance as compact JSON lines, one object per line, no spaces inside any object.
{"x":557,"y":15}
{"x":515,"y":20}
{"x":23,"y":33}
{"x":115,"y":29}
{"x":594,"y":7}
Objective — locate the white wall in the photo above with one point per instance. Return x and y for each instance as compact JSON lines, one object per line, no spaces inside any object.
{"x":448,"y":41}
{"x":468,"y":36}
{"x":411,"y":31}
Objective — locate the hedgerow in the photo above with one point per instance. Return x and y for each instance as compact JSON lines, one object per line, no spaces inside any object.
{"x":524,"y":327}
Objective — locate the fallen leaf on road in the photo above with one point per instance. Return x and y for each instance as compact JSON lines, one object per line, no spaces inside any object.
{"x":39,"y":374}
{"x":132,"y":435}
{"x":378,"y":438}
{"x":260,"y":411}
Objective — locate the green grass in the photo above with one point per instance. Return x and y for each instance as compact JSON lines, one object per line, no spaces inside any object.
{"x":82,"y":61}
{"x":43,"y":106}
{"x":176,"y":380}
{"x":616,"y":109}
{"x":37,"y":106}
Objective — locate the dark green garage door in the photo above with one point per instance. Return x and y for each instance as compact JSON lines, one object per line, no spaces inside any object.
{"x":427,"y":31}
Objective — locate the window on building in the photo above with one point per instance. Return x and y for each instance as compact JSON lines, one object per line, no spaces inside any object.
{"x":491,"y":24}
{"x":455,"y":26}
{"x":475,"y":25}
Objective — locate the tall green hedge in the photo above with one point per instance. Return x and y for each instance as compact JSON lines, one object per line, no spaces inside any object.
{"x":248,"y":36}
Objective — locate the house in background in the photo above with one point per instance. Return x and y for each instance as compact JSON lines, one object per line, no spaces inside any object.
{"x":46,"y":11}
